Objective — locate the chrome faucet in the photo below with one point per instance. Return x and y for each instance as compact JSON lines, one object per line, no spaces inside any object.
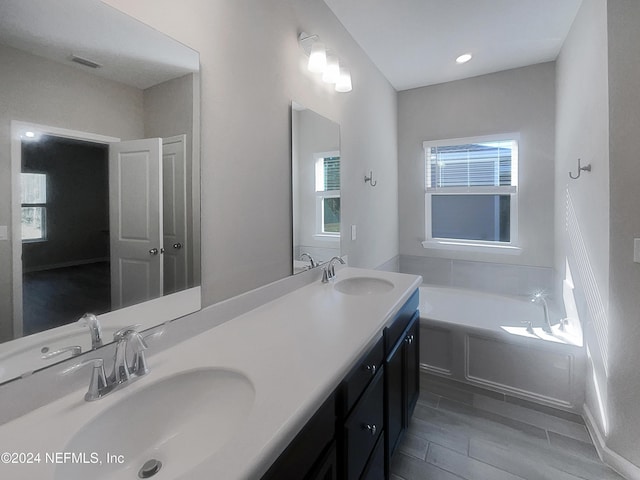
{"x":540,"y":298}
{"x":124,"y":372}
{"x":314,"y":264}
{"x":329,"y":272}
{"x":91,"y":321}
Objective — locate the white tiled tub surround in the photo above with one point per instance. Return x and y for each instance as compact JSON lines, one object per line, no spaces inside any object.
{"x":503,"y":279}
{"x":480,"y":338}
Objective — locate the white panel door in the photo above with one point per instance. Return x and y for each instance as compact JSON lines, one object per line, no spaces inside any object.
{"x":174,"y":195}
{"x":135,"y":213}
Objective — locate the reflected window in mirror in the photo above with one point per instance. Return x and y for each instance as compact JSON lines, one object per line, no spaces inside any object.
{"x":33,"y":199}
{"x":328,"y":194}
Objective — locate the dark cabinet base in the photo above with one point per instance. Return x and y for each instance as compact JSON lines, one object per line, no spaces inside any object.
{"x":355,"y":432}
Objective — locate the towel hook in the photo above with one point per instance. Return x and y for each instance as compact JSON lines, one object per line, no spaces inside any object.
{"x":370,"y":179}
{"x":586,"y":168}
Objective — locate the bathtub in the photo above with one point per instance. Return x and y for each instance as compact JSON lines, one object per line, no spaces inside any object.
{"x":483,"y":339}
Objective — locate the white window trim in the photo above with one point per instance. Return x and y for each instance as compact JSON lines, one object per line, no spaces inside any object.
{"x":42,"y":205}
{"x":321,"y":195}
{"x":512,"y":247}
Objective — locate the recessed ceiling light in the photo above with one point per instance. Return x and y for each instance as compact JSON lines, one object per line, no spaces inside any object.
{"x":464,"y":58}
{"x":29,"y":134}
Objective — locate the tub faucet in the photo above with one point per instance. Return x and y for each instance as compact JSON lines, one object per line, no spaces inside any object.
{"x":540,"y":298}
{"x":329,"y":271}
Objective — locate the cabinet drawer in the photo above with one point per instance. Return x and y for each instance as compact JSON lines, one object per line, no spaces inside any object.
{"x":358,"y":379}
{"x":363,"y":427}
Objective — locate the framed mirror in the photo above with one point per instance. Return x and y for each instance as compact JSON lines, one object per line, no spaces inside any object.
{"x":99,"y":184}
{"x":315,"y":152}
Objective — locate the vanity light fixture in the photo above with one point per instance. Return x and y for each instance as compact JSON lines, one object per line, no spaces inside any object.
{"x":317,"y":58}
{"x":332,"y":71}
{"x":325,"y":63}
{"x":343,"y":84}
{"x":464,"y":58}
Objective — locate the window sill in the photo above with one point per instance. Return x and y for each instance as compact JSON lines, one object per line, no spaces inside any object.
{"x":327,"y":237}
{"x":472,"y":246}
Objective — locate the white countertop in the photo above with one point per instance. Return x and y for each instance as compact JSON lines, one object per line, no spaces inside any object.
{"x":295,"y":350}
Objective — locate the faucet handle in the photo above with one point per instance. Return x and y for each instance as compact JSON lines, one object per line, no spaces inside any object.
{"x":124,"y":332}
{"x":74,"y":349}
{"x":98,"y":383}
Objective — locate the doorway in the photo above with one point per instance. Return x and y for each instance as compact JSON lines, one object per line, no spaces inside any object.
{"x":65,"y":231}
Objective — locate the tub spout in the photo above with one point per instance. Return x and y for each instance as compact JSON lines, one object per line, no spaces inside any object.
{"x":540,"y":298}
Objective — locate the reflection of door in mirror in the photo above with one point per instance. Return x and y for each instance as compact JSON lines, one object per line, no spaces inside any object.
{"x":316,"y":188}
{"x":93,"y":229}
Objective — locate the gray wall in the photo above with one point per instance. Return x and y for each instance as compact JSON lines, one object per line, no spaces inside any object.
{"x":36,"y":90}
{"x":252,"y":68}
{"x":583,"y":132}
{"x":520,"y":100}
{"x":168,"y":111}
{"x":599,"y":122}
{"x":624,"y":274}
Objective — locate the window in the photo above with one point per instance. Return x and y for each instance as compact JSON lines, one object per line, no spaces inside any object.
{"x":34,"y":206}
{"x":471,"y":192}
{"x":328,"y":194}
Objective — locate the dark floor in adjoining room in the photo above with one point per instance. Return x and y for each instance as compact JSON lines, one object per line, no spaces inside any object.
{"x":55,"y":297}
{"x":462,"y":432}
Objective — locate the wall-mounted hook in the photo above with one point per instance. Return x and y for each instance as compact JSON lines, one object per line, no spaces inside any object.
{"x":370,"y":179}
{"x":586,"y":168}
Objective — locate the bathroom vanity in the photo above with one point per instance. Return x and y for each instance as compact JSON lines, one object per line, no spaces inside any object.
{"x":319,"y":381}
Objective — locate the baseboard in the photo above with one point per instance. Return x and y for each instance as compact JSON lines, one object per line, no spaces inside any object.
{"x":74,"y":263}
{"x":620,"y":464}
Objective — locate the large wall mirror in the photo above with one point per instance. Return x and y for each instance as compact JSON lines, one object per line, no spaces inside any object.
{"x":315,"y":151}
{"x":99,"y":177}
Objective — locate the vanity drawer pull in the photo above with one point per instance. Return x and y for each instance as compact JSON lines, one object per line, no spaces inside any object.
{"x":371,"y":428}
{"x":372,"y":369}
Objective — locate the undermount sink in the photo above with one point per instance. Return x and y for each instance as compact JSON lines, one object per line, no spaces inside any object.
{"x":363,"y":286}
{"x":177,"y":422}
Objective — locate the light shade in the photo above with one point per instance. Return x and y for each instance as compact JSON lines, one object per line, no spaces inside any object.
{"x":317,"y":58}
{"x":332,"y":72}
{"x":343,"y":84}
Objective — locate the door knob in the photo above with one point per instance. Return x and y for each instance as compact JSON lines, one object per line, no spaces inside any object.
{"x":153,"y":251}
{"x":177,"y":246}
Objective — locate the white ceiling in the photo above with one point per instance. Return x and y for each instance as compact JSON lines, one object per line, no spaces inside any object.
{"x":414,"y":43}
{"x":129,"y":51}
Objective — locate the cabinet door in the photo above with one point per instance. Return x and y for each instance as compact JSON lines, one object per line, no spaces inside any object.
{"x":412,"y":365}
{"x":363,"y":428}
{"x":394,"y":397}
{"x":328,"y":468}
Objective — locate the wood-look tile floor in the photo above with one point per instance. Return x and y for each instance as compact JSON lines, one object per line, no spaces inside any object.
{"x":461,"y":432}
